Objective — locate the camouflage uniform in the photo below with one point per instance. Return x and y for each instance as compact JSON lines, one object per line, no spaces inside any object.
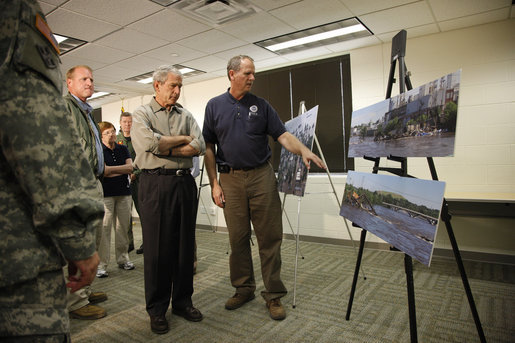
{"x":50,"y":206}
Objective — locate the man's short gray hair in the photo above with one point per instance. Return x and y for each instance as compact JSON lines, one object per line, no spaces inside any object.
{"x":235,"y":63}
{"x":161,"y":73}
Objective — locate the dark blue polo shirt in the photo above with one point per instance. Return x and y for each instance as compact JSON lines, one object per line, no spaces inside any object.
{"x":240,"y":129}
{"x":118,"y":185}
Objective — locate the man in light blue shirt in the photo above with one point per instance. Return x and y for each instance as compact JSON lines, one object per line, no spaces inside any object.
{"x":79,"y":80}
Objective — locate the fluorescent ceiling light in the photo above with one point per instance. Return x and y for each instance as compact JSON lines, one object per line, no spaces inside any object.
{"x":317,"y":37}
{"x":147,"y":77}
{"x":186,"y":70}
{"x":98,"y":95}
{"x":67,"y":44}
{"x":60,"y":38}
{"x":146,"y":80}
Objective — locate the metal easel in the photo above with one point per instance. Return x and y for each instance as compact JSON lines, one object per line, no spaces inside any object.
{"x":302,"y":110}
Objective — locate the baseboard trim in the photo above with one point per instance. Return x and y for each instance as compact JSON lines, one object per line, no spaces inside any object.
{"x":439,"y":252}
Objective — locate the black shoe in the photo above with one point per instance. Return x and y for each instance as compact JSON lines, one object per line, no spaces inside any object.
{"x":139,"y":251}
{"x":131,"y":248}
{"x":189,"y":313}
{"x":158,"y":324}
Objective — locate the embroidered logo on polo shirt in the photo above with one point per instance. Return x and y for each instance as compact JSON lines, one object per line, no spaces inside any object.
{"x":253,"y":111}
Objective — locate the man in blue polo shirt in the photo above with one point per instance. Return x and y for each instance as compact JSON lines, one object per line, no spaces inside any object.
{"x":239,"y":124}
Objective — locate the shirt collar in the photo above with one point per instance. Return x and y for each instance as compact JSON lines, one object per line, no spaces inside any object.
{"x":156,"y":107}
{"x":83,"y":105}
{"x":233,"y":100}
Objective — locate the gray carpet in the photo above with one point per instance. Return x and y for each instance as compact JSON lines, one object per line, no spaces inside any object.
{"x":379,"y":313}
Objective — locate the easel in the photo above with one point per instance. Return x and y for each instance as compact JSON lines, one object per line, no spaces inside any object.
{"x":302,"y":110}
{"x":199,"y":198}
{"x":398,"y":53}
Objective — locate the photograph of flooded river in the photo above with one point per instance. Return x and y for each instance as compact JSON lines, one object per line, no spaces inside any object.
{"x":403,"y":212}
{"x":441,"y":144}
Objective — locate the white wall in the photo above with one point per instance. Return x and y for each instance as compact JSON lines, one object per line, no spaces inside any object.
{"x":484,"y":159}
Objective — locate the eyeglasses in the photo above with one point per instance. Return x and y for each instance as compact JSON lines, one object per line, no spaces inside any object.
{"x":108,"y":132}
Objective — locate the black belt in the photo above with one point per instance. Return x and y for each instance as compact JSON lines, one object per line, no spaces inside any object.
{"x":224,"y":168}
{"x":164,"y":171}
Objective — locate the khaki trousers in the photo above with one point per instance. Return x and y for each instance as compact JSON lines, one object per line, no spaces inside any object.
{"x":252,"y":196}
{"x":117,"y":214}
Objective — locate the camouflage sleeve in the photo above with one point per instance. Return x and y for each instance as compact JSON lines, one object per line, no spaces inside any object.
{"x":45,"y":160}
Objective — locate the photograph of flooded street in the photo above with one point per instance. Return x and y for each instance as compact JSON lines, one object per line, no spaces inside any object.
{"x":402,"y":211}
{"x":418,"y":123}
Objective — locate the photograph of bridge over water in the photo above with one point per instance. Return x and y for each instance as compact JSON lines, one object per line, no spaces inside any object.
{"x":418,"y":123}
{"x":402,"y":211}
{"x":292,"y":173}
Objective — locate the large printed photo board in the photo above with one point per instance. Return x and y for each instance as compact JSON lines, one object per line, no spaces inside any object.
{"x":418,"y":123}
{"x":402,"y":211}
{"x":292,"y":173}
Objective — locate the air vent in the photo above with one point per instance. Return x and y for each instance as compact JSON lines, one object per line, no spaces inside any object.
{"x":215,"y":11}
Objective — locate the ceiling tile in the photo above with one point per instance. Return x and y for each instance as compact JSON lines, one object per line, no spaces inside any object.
{"x":207,"y":64}
{"x":411,"y":32}
{"x":134,"y":86}
{"x":174,"y":53}
{"x":169,"y":25}
{"x":45,"y":7}
{"x":140,"y":64}
{"x":268,"y":5}
{"x":78,"y":26}
{"x":211,"y":41}
{"x":257,"y":27}
{"x":270,"y":62}
{"x":359,"y":7}
{"x":398,"y":18}
{"x":303,"y":55}
{"x":99,"y":53}
{"x":477,"y":19}
{"x":445,"y":9}
{"x":353,"y":44}
{"x":113,"y":73}
{"x":254,"y":51}
{"x":200,"y":77}
{"x":53,"y":2}
{"x":114,"y":11}
{"x":300,"y":14}
{"x":68,"y":62}
{"x":131,"y":41}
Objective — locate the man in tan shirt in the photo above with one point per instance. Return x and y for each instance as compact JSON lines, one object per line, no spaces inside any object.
{"x":165,"y":137}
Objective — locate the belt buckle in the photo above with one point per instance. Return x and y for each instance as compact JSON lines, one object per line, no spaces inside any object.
{"x":180,"y":172}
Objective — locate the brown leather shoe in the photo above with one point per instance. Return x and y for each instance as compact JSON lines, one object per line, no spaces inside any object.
{"x":158,"y":324}
{"x":97,"y":297}
{"x":88,"y":312}
{"x":237,"y":300}
{"x":276,"y":309}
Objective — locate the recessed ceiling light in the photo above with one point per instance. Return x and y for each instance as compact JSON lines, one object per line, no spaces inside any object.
{"x":67,"y":44}
{"x":147,"y":77}
{"x":98,"y":95}
{"x":336,"y":32}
